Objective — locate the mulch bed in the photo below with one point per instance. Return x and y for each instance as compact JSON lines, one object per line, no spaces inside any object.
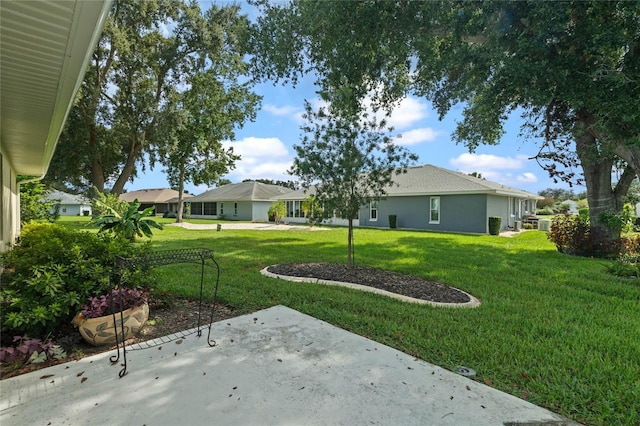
{"x":406,"y":285}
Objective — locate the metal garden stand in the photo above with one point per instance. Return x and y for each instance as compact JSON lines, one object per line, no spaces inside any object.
{"x":203,"y":257}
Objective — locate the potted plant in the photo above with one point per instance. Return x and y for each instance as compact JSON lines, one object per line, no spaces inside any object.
{"x":96,"y":320}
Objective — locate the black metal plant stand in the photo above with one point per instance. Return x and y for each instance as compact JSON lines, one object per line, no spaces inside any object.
{"x":203,"y":257}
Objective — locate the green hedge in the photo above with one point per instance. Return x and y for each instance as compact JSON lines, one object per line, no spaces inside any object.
{"x":494,"y":225}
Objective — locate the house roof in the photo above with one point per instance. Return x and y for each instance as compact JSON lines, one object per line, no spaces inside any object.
{"x":44,"y":51}
{"x":431,"y":180}
{"x":152,"y":196}
{"x":245,"y":191}
{"x":66,"y":198}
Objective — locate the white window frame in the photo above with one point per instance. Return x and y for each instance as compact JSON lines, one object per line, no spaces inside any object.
{"x":373,"y":207}
{"x":431,"y":210}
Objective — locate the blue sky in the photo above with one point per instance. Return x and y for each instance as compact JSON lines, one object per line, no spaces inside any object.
{"x":266,"y":145}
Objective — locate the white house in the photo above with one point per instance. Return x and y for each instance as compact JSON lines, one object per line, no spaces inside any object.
{"x":70,"y":204}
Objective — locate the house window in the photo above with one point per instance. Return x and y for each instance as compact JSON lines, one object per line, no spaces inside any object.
{"x":209,"y":209}
{"x":235,"y":209}
{"x":434,"y":210}
{"x":373,"y":210}
{"x":196,"y":208}
{"x":294,"y":209}
{"x":221,"y":209}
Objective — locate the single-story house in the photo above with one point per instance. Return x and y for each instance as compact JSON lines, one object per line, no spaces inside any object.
{"x":161,"y":198}
{"x":46,"y":47}
{"x":70,"y":204}
{"x":433,"y":198}
{"x":293,"y":202}
{"x":237,"y":201}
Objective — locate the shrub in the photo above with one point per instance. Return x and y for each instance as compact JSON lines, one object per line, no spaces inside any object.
{"x":545,"y":211}
{"x":129,"y":223}
{"x":584,"y":213}
{"x":571,"y":235}
{"x":52,"y":271}
{"x":494,"y":225}
{"x":277,"y":210}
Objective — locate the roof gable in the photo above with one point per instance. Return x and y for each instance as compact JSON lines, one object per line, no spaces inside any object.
{"x":151,"y":196}
{"x":245,"y":191}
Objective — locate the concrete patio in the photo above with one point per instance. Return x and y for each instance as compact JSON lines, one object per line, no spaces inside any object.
{"x":272,"y":367}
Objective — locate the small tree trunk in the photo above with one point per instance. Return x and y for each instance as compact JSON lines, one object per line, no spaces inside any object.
{"x":350,"y":244}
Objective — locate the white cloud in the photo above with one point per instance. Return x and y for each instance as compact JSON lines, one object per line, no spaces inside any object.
{"x":410,"y":111}
{"x":285,"y":111}
{"x":495,"y":168}
{"x":261,"y":158}
{"x":468,"y":163}
{"x":527,"y":177}
{"x":417,"y":136}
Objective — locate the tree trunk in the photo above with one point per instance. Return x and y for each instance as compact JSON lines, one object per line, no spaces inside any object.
{"x":350,"y":244}
{"x":180,"y":198}
{"x":602,"y":197}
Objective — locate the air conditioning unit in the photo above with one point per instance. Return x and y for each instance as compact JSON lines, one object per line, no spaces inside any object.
{"x":544,"y":225}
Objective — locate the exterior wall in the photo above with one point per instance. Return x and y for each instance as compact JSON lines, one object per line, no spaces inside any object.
{"x":9,"y":205}
{"x":458,"y":213}
{"x":74,"y":209}
{"x":500,"y":206}
{"x":260,"y":210}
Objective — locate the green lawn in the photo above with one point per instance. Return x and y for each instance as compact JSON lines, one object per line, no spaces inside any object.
{"x":558,"y":331}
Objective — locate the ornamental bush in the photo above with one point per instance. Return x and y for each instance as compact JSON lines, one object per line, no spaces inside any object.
{"x":494,"y":225}
{"x":51,"y":272}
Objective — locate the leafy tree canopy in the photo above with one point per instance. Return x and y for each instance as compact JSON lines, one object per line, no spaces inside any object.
{"x":151,"y":62}
{"x":571,"y":68}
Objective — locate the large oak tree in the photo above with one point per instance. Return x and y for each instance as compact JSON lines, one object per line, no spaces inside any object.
{"x":571,"y":68}
{"x":150,"y":54}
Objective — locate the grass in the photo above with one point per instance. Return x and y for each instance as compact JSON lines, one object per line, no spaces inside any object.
{"x":558,"y":331}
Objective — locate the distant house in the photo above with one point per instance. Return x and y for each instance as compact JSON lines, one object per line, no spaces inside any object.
{"x":433,"y":198}
{"x":161,"y":198}
{"x":70,"y":204}
{"x":237,"y":201}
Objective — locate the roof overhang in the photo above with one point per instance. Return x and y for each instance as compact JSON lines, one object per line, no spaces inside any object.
{"x":44,"y":51}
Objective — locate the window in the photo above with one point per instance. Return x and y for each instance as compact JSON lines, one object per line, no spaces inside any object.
{"x":196,"y":208}
{"x":434,"y":210}
{"x":209,"y":209}
{"x":221,"y":209}
{"x":235,"y":209}
{"x":373,"y":210}
{"x":294,"y":209}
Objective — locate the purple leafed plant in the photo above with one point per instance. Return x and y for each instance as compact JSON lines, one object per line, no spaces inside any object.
{"x":24,"y":347}
{"x":118,"y":300}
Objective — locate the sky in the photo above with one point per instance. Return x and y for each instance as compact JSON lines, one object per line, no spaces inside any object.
{"x":266,"y":144}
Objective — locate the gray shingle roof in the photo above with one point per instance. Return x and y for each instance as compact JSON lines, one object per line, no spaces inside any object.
{"x":245,"y":191}
{"x":66,"y":198}
{"x":151,"y":196}
{"x":431,"y":180}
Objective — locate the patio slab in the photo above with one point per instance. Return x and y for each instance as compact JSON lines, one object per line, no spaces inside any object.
{"x":272,"y":367}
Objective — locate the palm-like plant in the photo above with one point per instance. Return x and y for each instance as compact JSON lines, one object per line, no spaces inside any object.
{"x":129,"y":223}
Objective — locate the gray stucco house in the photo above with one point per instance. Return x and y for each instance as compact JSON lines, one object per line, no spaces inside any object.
{"x":433,"y":198}
{"x":237,"y":201}
{"x":70,"y":204}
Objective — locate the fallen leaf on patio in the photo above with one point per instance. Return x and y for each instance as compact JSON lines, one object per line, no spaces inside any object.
{"x":178,"y":342}
{"x":84,"y":379}
{"x":488,"y":382}
{"x":46,"y":376}
{"x":80,"y":374}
